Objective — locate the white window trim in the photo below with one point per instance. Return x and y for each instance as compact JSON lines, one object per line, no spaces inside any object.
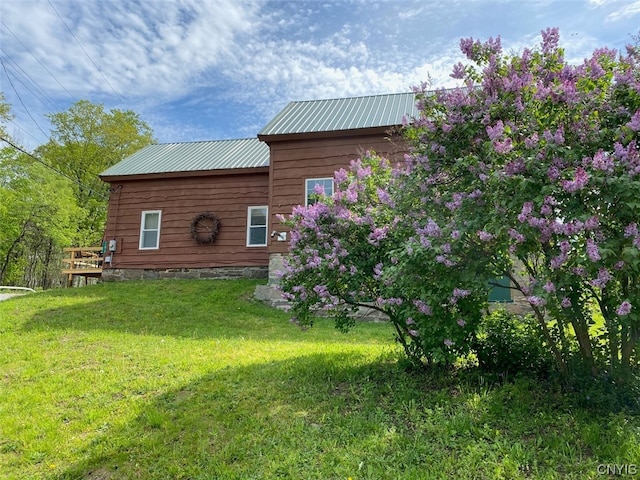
{"x":307,"y":192}
{"x":249,"y":226}
{"x":142,"y":230}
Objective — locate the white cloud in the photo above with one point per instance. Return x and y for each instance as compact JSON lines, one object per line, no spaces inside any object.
{"x":140,"y":48}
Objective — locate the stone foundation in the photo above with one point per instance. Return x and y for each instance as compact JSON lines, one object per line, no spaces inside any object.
{"x":221,"y":273}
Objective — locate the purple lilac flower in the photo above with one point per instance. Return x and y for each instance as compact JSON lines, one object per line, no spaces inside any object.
{"x":458,"y":71}
{"x":603,"y":278}
{"x":624,"y":308}
{"x":634,"y":124}
{"x":536,"y":301}
{"x":565,"y":303}
{"x":531,"y":141}
{"x":377,"y":270}
{"x":557,"y":262}
{"x":592,"y":223}
{"x":377,"y":235}
{"x":423,"y":307}
{"x":504,"y":146}
{"x":410,"y":321}
{"x":448,"y":342}
{"x":553,"y":172}
{"x":456,"y":202}
{"x":517,"y":236}
{"x":602,"y":161}
{"x":340,"y":175}
{"x":527,"y":208}
{"x":550,"y":39}
{"x":460,"y":293}
{"x":461,"y":322}
{"x":385,"y":198}
{"x":413,"y":333}
{"x":431,"y":229}
{"x":351,"y":194}
{"x":580,"y":180}
{"x":631,"y":230}
{"x":592,"y":250}
{"x":619,"y":265}
{"x":496,"y":131}
{"x":549,"y":287}
{"x":321,"y":290}
{"x":484,"y":235}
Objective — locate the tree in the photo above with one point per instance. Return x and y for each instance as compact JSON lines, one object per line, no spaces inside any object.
{"x":85,"y":141}
{"x":37,"y":214}
{"x":532,"y":164}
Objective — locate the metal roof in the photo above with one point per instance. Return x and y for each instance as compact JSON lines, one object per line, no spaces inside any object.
{"x":193,"y":156}
{"x":342,"y":114}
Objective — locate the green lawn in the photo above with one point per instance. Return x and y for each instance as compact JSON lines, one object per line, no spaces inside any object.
{"x":193,"y":379}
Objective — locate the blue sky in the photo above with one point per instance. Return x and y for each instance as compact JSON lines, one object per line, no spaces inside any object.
{"x":217,"y":69}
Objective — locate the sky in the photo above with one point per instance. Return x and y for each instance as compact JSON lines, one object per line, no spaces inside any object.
{"x":219,"y":69}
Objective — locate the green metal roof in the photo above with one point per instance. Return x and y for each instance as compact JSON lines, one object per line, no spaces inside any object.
{"x":342,"y":114}
{"x":193,"y":156}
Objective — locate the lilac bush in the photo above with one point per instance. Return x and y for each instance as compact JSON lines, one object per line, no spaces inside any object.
{"x":529,"y":169}
{"x":547,"y":155}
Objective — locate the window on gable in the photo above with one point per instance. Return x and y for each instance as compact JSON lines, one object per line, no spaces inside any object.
{"x":257,"y":226}
{"x":315,"y":185}
{"x":150,"y":230}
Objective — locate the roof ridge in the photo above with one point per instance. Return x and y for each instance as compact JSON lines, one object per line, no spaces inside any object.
{"x":207,"y":141}
{"x":352,"y":97}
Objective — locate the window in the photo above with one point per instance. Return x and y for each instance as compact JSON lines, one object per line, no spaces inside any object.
{"x":257,"y":227}
{"x":326,"y":184}
{"x":150,"y":230}
{"x":500,"y":292}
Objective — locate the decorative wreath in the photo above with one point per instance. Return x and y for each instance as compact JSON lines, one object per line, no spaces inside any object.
{"x":205,"y":228}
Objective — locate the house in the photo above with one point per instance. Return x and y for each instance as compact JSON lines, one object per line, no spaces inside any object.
{"x":166,"y":200}
{"x":210,"y":209}
{"x":207,"y":209}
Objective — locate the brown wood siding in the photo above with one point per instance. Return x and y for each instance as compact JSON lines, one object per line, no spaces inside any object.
{"x":293,"y":161}
{"x":180,"y":200}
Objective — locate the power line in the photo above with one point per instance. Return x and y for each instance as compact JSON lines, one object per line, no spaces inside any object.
{"x":38,"y":91}
{"x":20,"y":98}
{"x":17,"y":125}
{"x":38,"y":60}
{"x":91,"y":191}
{"x":87,"y":54}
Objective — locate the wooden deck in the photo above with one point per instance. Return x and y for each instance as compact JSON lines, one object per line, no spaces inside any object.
{"x":83,"y":261}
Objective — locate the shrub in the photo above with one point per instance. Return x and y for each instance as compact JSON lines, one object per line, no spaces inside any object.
{"x":509,"y":345}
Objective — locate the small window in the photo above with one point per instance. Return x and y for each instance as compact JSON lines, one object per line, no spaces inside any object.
{"x":500,"y":291}
{"x":324,"y":184}
{"x":150,"y":230}
{"x":257,"y":227}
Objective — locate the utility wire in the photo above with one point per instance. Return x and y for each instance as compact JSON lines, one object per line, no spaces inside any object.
{"x":23,"y":130}
{"x":20,"y":98}
{"x":38,"y":60}
{"x":87,"y":54}
{"x":91,"y":191}
{"x":37,"y":92}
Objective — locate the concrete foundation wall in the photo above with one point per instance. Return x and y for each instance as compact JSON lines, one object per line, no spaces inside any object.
{"x":116,"y":274}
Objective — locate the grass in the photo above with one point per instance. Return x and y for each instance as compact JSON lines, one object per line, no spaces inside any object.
{"x":194,"y":380}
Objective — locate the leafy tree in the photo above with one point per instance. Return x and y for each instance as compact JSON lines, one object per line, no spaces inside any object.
{"x":86,"y":140}
{"x":532,"y":165}
{"x":5,"y":115}
{"x":37,"y":214}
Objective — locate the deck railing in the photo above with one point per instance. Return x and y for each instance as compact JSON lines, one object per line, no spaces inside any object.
{"x":83,"y":261}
